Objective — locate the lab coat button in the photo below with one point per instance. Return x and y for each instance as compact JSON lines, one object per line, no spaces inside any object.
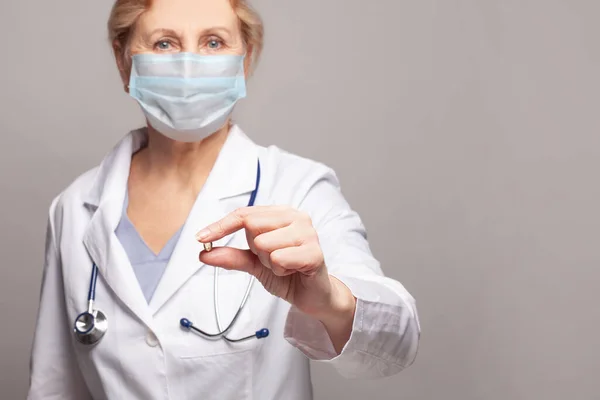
{"x":151,"y":340}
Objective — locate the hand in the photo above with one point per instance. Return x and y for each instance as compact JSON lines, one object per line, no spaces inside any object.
{"x":286,"y":258}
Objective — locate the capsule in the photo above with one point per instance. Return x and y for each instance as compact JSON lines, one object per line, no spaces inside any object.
{"x":208,"y":246}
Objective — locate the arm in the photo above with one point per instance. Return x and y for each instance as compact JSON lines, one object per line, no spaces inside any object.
{"x":54,"y":371}
{"x":317,"y":258}
{"x":384,"y":331}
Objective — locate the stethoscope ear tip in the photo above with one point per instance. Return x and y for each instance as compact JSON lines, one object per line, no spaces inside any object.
{"x":263,"y":333}
{"x":186,"y":323}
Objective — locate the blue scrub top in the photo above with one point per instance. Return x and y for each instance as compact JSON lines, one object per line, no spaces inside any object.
{"x":148,"y":266}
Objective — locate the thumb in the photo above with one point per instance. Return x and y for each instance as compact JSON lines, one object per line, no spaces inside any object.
{"x":232,"y":259}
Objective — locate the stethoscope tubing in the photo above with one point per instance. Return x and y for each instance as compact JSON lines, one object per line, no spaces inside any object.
{"x":92,"y":291}
{"x":91,"y":298}
{"x":222,"y":333}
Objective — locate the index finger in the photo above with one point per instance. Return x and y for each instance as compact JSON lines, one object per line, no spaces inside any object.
{"x":233,"y":222}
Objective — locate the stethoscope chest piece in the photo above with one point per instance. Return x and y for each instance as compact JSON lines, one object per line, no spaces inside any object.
{"x":90,"y":327}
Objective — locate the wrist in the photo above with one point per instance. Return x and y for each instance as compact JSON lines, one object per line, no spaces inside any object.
{"x":341,"y":305}
{"x":338,"y":318}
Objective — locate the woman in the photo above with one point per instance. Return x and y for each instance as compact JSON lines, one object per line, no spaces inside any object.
{"x":133,"y":229}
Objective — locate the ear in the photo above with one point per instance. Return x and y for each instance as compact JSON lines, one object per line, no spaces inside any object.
{"x":248,"y":62}
{"x":122,"y":64}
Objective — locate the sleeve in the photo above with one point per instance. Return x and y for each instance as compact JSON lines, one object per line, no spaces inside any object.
{"x":386,"y":329}
{"x":54,"y":373}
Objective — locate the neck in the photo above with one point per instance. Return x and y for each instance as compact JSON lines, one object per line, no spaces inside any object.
{"x":186,"y":163}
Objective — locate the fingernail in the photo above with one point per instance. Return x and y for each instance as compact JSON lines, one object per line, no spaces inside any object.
{"x":203,"y":234}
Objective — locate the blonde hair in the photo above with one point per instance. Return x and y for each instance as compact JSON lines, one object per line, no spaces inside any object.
{"x":125,"y":14}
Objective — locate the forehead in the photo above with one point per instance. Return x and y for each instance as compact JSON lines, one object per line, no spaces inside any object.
{"x":189,"y":14}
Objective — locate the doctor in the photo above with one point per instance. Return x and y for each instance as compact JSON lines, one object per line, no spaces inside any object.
{"x":151,"y":257}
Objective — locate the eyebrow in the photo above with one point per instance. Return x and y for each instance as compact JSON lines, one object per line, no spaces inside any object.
{"x":163,"y":32}
{"x":171,"y":32}
{"x":216,"y":29}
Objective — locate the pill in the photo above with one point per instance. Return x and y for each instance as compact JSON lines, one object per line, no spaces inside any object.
{"x":208,"y":246}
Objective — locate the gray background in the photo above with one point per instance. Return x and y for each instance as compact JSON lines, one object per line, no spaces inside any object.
{"x":465,"y":132}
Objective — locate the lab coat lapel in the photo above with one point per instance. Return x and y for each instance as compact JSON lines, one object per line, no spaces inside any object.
{"x":184,"y":262}
{"x":100,"y":240}
{"x":113,"y":264}
{"x":234,"y":173}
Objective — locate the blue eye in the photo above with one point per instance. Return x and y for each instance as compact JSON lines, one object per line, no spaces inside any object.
{"x":214,"y":44}
{"x":163,"y":45}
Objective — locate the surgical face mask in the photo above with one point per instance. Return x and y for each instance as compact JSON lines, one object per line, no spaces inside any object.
{"x":186,"y":96}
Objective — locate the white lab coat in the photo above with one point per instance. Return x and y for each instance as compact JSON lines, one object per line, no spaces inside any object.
{"x":145,"y":354}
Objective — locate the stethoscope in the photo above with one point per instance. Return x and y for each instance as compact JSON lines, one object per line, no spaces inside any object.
{"x":91,"y":325}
